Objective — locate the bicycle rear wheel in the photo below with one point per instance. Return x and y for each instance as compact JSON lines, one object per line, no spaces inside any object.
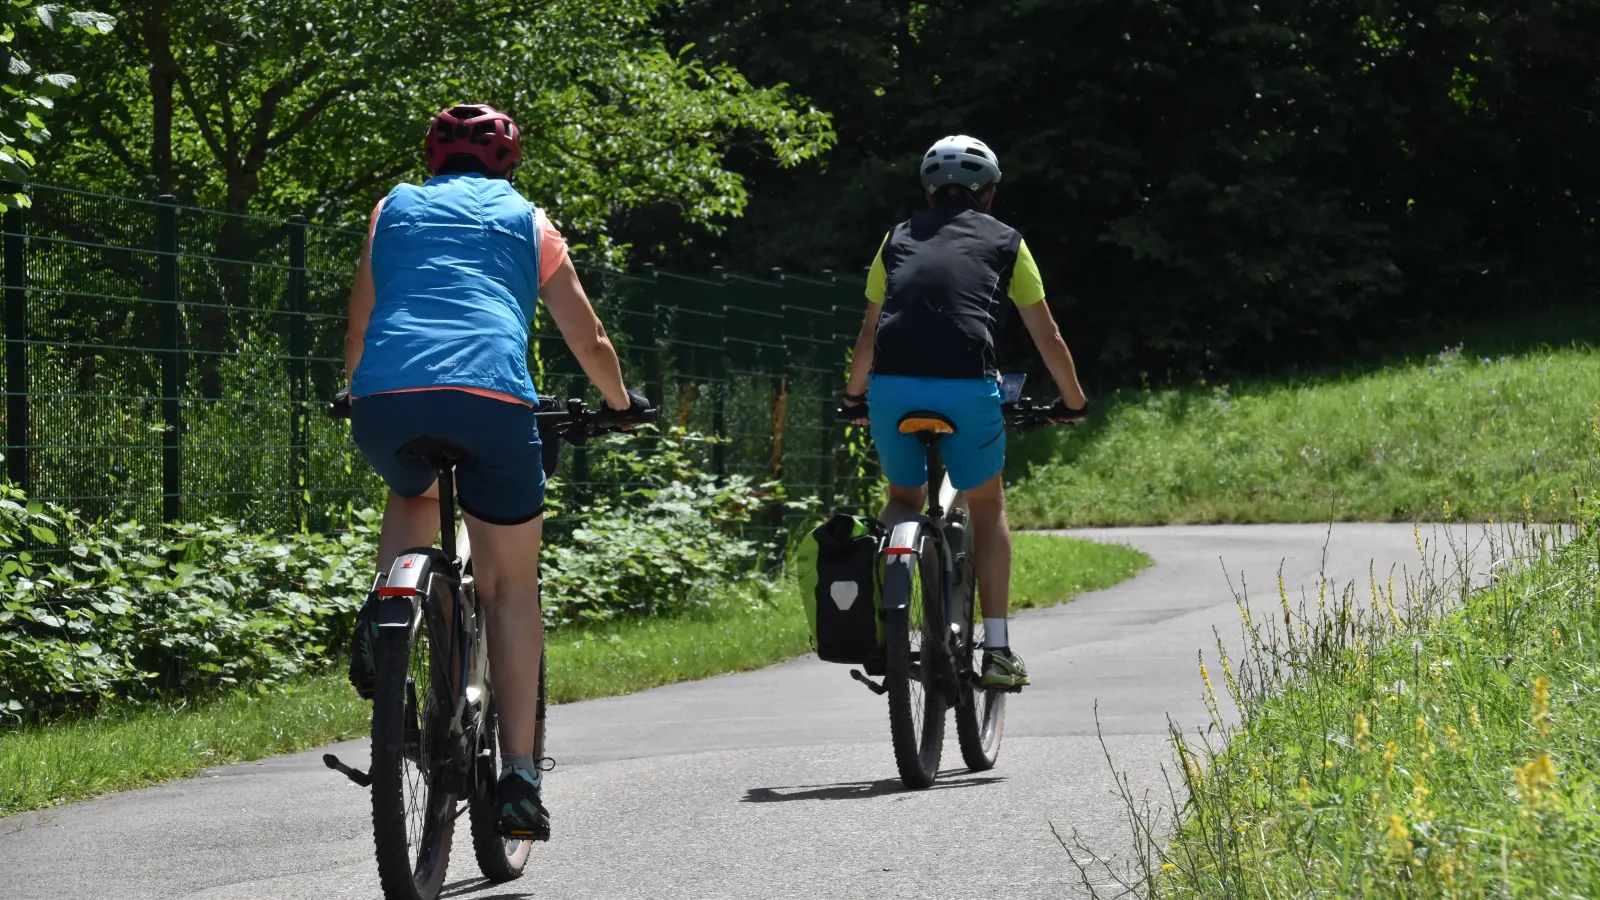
{"x":911,"y":635}
{"x":413,"y":816}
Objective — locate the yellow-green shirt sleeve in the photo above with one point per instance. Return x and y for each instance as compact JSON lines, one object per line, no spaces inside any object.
{"x":878,"y":276}
{"x":1027,"y":288}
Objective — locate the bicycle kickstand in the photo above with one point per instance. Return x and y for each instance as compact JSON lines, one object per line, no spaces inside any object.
{"x":873,"y":686}
{"x":356,"y":775}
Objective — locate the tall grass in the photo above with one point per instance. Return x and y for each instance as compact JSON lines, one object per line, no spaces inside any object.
{"x":1425,"y":740}
{"x":1381,"y":446}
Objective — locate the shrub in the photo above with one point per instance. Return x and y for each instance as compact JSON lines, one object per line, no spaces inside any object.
{"x":667,"y":544}
{"x":91,"y":613}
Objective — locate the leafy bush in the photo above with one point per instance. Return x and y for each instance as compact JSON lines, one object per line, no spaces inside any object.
{"x":97,"y":612}
{"x":92,"y":612}
{"x":665,"y":545}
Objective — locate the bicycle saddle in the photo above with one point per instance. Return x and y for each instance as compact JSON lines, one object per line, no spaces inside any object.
{"x":435,"y":451}
{"x":920,"y":421}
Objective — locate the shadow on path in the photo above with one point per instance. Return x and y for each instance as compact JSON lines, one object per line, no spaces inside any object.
{"x":856,"y":790}
{"x":468,"y":886}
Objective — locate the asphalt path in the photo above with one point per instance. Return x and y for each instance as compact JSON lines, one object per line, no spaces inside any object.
{"x":776,"y":783}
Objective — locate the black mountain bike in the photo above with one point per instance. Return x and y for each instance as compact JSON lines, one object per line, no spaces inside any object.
{"x":435,"y":753}
{"x":933,"y":636}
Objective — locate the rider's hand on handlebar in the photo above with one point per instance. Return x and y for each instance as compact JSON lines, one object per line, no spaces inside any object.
{"x":1060,"y":412}
{"x":854,"y":409}
{"x":637,"y":413}
{"x":340,"y":407}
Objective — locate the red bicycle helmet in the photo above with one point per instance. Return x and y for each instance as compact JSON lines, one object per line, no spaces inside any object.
{"x":477,"y":131}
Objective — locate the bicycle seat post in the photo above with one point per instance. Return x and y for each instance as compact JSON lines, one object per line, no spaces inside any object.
{"x":930,"y":441}
{"x":447,"y":507}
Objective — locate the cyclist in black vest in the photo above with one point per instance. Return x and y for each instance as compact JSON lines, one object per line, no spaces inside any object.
{"x":928,"y":343}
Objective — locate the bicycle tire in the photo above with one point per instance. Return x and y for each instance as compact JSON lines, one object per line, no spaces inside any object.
{"x":918,"y":745}
{"x":980,"y":714}
{"x":400,"y":703}
{"x":500,"y":858}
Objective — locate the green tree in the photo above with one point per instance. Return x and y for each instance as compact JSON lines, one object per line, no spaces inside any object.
{"x":280,"y":106}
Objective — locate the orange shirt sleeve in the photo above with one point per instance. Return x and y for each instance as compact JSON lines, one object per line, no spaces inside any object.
{"x":552,"y":248}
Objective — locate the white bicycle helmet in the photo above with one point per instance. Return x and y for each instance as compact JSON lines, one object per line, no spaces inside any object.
{"x":962,"y":160}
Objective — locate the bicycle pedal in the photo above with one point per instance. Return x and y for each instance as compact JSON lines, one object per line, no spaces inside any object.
{"x":542,"y":834}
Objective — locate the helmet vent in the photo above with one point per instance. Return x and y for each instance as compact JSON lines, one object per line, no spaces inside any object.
{"x":971,"y":166}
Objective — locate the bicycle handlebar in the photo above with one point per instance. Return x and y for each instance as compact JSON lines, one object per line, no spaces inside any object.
{"x":575,"y":424}
{"x":1024,"y":415}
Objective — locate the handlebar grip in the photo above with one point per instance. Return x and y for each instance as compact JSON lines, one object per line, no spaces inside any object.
{"x":339,"y":407}
{"x":639,"y":412}
{"x":850,"y":413}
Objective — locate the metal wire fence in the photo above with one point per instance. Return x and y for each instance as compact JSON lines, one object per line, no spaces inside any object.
{"x":164,"y":362}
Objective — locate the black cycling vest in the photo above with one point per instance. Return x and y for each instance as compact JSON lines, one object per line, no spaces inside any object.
{"x":949,"y":269}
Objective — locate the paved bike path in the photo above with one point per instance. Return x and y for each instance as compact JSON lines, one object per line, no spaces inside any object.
{"x":777,"y":783}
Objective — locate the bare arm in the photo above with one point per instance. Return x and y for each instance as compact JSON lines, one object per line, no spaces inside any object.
{"x":362,"y":297}
{"x":866,"y":344}
{"x":568,"y":304}
{"x":1057,"y":358}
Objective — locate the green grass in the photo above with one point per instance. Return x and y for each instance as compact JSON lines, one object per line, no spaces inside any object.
{"x":1436,"y":747}
{"x":45,"y":766}
{"x":1388,"y":445}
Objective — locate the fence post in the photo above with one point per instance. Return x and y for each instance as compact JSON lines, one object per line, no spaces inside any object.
{"x":299,"y":443}
{"x":719,"y":394}
{"x":16,"y":284}
{"x":172,"y":360}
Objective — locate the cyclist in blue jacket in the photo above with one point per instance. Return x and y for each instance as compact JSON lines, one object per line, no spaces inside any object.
{"x":934,"y":296}
{"x":437,"y":344}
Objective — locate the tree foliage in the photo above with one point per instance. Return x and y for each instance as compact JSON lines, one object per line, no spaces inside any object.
{"x":318,"y":106}
{"x":1207,"y":185}
{"x":27,"y":93}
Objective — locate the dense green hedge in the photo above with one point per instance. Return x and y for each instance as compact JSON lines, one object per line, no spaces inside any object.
{"x":92,"y":612}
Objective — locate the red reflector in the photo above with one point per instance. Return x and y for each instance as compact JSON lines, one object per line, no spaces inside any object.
{"x":899,"y":551}
{"x":406,"y":564}
{"x":396,"y":592}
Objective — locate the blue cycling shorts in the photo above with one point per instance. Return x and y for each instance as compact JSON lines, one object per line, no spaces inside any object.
{"x":501,"y":480}
{"x":971,"y":456}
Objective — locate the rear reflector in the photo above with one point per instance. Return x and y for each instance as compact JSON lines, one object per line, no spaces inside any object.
{"x":899,"y":551}
{"x":397,"y":592}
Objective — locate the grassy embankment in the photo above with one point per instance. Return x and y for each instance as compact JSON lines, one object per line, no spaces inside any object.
{"x":1387,"y":445}
{"x":1426,"y":740}
{"x":72,"y":760}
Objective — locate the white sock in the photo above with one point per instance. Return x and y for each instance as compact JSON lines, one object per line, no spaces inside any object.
{"x":994,"y":634}
{"x":527,"y":764}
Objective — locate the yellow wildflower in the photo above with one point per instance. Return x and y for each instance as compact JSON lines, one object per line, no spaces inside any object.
{"x":1399,"y":835}
{"x":1534,"y":780}
{"x":1447,"y":509}
{"x":1454,"y":736}
{"x":1388,"y":757}
{"x":1168,"y":868}
{"x":1419,"y":797}
{"x":1304,"y":793}
{"x":1555,"y":637}
{"x":1472,"y":714}
{"x":1363,"y":731}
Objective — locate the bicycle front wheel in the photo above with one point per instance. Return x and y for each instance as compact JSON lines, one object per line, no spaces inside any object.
{"x":911,"y":635}
{"x":980,"y":714}
{"x":500,"y":858}
{"x":413,"y":817}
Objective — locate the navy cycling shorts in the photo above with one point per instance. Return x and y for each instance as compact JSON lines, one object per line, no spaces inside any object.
{"x":501,"y":480}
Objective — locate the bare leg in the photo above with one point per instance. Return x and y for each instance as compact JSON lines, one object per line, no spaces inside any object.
{"x":408,"y":522}
{"x":505,"y":561}
{"x":903,"y":503}
{"x":991,"y":546}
